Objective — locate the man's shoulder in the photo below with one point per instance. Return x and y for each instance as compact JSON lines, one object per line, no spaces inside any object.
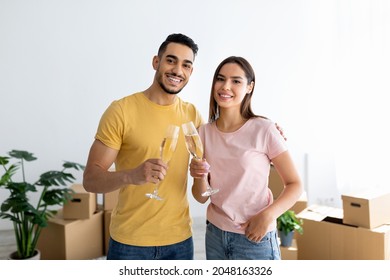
{"x":185,"y":103}
{"x":187,"y":106}
{"x":192,"y":113}
{"x":129,"y":99}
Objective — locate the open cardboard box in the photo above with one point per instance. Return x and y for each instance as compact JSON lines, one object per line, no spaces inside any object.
{"x":325,"y":237}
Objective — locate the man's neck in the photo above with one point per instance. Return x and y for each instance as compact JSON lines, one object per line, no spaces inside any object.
{"x":160,"y":97}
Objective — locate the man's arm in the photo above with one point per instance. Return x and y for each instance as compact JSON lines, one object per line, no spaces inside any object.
{"x":98,"y":179}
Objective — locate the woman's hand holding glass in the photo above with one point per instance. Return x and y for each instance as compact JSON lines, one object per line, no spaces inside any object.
{"x":195,"y":148}
{"x":199,"y":169}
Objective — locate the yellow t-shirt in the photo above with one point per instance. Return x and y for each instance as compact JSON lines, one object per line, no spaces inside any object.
{"x":135,"y":126}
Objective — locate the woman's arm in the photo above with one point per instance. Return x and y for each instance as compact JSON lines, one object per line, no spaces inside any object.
{"x":198,"y":170}
{"x":260,"y":224}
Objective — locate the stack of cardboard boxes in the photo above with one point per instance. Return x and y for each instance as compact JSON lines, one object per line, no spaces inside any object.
{"x":76,"y":232}
{"x":276,"y":185}
{"x":80,"y":230}
{"x":358,"y":231}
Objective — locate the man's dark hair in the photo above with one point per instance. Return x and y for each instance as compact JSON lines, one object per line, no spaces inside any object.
{"x":180,"y":39}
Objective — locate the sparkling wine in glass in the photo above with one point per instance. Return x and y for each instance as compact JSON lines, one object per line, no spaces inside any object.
{"x":167,"y":148}
{"x":195,"y":148}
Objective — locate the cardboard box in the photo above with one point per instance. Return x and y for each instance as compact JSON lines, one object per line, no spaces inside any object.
{"x":369,"y":209}
{"x":276,"y":186}
{"x":72,"y":239}
{"x":275,"y":183}
{"x":301,"y":204}
{"x":298,"y":207}
{"x":82,"y":206}
{"x":107,"y":221}
{"x":110,"y":200}
{"x":289,"y":253}
{"x":325,"y":237}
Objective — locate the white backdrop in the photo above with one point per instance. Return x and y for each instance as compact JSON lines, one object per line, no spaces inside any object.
{"x":63,"y":62}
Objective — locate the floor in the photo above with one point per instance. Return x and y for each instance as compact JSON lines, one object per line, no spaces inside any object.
{"x":7,"y":243}
{"x":7,"y":240}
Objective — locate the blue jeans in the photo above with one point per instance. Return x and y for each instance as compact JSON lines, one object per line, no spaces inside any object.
{"x":180,"y":251}
{"x":224,"y":245}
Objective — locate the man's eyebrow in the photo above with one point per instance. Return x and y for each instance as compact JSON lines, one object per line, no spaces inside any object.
{"x":188,"y":61}
{"x":176,"y":58}
{"x":172,"y":56}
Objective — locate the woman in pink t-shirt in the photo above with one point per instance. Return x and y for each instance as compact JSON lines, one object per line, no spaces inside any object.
{"x":240,"y":146}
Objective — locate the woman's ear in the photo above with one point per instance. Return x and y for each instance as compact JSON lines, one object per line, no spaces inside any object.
{"x":250,"y":87}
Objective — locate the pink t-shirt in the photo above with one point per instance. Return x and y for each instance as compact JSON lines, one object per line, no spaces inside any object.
{"x":240,"y":166}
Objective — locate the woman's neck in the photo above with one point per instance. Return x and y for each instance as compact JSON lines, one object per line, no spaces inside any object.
{"x":230,"y":122}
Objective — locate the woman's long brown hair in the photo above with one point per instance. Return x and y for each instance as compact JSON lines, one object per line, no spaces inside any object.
{"x":245,"y":109}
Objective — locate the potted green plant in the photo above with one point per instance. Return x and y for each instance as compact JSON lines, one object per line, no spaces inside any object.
{"x":28,"y":220}
{"x":287,"y":224}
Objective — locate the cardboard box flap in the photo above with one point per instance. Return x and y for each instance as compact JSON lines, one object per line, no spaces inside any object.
{"x":382,"y":229}
{"x":335,"y":220}
{"x":78,"y":188}
{"x":320,"y":212}
{"x":365,"y":195}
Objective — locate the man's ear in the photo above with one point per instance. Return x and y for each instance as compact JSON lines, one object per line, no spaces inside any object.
{"x":155,"y":62}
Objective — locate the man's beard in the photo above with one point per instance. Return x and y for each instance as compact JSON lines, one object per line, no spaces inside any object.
{"x":168,"y":90}
{"x":164,"y":88}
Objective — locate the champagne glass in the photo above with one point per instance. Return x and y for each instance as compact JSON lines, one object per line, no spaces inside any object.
{"x":167,"y":148}
{"x":195,"y":148}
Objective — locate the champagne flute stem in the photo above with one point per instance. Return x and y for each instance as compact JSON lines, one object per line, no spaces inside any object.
{"x":156,"y":187}
{"x":209,"y":189}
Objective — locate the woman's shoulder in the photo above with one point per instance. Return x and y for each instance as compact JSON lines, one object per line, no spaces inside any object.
{"x":260,"y":121}
{"x":206,"y":126}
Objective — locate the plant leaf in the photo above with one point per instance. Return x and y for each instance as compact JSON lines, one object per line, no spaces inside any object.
{"x":288,"y":222}
{"x":28,"y":220}
{"x":55,"y":178}
{"x":27,"y":156}
{"x":4,"y":160}
{"x":20,"y":188}
{"x":57,"y":196}
{"x":77,"y":166}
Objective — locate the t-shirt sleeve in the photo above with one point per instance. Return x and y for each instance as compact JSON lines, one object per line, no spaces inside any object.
{"x":275,"y":142}
{"x":201,"y":131}
{"x":198,"y":118}
{"x":111,"y":126}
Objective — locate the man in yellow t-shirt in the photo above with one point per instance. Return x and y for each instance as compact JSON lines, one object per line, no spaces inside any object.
{"x":129,"y":134}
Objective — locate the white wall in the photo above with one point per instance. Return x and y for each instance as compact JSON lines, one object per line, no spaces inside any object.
{"x":63,"y":62}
